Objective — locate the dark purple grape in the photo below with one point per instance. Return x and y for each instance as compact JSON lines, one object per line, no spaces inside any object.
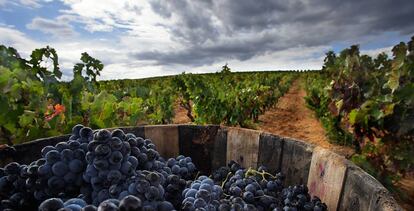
{"x":86,"y":132}
{"x":60,"y":168}
{"x":52,"y":204}
{"x":103,"y":135}
{"x":119,"y":134}
{"x":130,"y":203}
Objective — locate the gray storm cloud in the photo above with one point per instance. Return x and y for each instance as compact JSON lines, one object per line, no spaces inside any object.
{"x":217,"y":30}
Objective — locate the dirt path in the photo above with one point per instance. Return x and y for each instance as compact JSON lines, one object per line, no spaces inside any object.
{"x":290,"y":117}
{"x":180,"y":115}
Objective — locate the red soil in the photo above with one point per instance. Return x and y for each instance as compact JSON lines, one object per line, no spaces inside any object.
{"x":290,"y":117}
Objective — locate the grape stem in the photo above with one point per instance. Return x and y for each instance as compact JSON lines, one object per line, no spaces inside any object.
{"x":224,"y":182}
{"x":198,"y":173}
{"x":253,"y":172}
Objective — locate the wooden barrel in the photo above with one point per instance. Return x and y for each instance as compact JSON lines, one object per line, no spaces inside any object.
{"x":338,"y":182}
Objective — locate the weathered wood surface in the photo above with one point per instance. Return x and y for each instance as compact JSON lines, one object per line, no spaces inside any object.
{"x":165,"y":138}
{"x":243,"y":146}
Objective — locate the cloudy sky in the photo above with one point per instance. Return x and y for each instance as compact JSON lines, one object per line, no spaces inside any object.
{"x":142,"y":38}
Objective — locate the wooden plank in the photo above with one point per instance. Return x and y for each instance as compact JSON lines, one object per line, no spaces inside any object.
{"x":7,"y":154}
{"x":326,"y":176}
{"x":198,"y":142}
{"x":243,"y":146}
{"x":30,"y":151}
{"x":165,"y":138}
{"x":296,"y":160}
{"x":270,"y":152}
{"x":220,"y":149}
{"x":137,"y":131}
{"x":363,"y":192}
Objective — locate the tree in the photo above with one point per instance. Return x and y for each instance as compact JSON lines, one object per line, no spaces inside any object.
{"x":225,"y":69}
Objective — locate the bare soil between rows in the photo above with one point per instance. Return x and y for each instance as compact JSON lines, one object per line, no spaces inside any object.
{"x":291,"y":118}
{"x":180,"y":115}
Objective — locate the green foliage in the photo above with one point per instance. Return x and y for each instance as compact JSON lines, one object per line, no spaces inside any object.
{"x":183,"y":92}
{"x":37,"y":104}
{"x":318,"y":99}
{"x":34,"y":103}
{"x":227,"y":98}
{"x":90,"y":67}
{"x":40,"y":56}
{"x":373,"y":98}
{"x":23,"y":86}
{"x":225,"y":69}
{"x":160,"y":103}
{"x":158,"y":97}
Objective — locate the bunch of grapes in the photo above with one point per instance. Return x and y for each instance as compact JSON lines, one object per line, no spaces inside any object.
{"x":16,"y":186}
{"x":202,"y":194}
{"x":174,"y":186}
{"x":219,"y":175}
{"x":57,"y":173}
{"x":128,"y":203}
{"x":297,"y":197}
{"x":145,"y":151}
{"x":109,"y":165}
{"x":235,"y":203}
{"x":258,"y":189}
{"x":148,"y":186}
{"x":61,"y":173}
{"x":182,"y":166}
